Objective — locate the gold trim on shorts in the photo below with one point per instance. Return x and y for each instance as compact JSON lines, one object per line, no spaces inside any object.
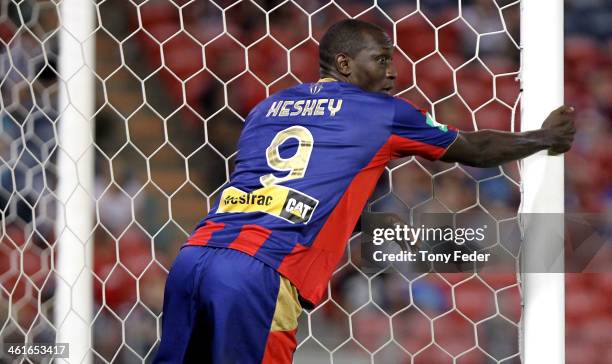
{"x":288,"y":307}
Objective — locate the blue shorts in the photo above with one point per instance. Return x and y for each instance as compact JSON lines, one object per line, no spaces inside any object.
{"x":222,"y":306}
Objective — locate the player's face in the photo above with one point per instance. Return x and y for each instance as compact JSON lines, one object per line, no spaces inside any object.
{"x":372,"y":68}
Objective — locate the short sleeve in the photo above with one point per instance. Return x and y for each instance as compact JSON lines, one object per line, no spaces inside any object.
{"x":415,"y":132}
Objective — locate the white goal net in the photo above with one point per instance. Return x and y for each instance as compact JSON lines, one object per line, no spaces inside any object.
{"x":173,"y":81}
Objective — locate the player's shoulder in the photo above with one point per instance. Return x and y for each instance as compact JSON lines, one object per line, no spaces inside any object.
{"x":290,"y":92}
{"x":406,"y":105}
{"x":377,"y":102}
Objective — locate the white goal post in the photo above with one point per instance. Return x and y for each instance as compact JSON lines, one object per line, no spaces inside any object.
{"x":542,"y":184}
{"x":73,"y":309}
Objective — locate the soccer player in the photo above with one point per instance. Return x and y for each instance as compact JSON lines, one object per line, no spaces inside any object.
{"x":308,"y":159}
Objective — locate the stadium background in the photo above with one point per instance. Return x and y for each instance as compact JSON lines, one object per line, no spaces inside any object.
{"x":150,"y":194}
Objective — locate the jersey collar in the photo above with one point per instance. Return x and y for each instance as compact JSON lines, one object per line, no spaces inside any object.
{"x":327,"y":79}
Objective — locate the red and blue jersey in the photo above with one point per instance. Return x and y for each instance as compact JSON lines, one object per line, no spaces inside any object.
{"x":308,"y":159}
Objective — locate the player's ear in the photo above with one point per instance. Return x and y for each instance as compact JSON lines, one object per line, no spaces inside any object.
{"x":343,"y":64}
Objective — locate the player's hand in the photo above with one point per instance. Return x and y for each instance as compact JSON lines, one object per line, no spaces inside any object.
{"x":560,"y":125}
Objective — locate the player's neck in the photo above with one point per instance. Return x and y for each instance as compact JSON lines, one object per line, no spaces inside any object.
{"x":332,"y":77}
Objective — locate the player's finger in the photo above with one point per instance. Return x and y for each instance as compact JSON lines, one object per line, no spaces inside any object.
{"x":563,"y":109}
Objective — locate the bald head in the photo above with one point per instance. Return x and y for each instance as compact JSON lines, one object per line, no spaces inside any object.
{"x":347,"y":37}
{"x":360,"y":53}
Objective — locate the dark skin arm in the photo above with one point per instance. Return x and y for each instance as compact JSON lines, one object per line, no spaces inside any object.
{"x":490,"y":148}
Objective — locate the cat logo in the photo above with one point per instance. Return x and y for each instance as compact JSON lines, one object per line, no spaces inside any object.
{"x":315,"y":88}
{"x":298,"y":208}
